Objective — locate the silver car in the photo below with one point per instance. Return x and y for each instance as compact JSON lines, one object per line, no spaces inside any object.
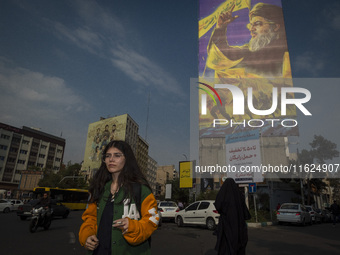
{"x":293,"y":213}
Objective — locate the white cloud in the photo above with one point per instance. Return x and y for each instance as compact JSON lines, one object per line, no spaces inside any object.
{"x":27,"y":94}
{"x":143,"y":70}
{"x":101,"y":35}
{"x":82,"y":37}
{"x":308,"y":61}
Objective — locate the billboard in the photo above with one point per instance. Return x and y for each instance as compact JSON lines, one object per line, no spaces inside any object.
{"x":185,"y":174}
{"x":99,"y":134}
{"x":242,"y":152}
{"x":242,"y":44}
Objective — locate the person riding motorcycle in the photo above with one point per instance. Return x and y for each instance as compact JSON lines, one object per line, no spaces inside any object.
{"x":45,"y":202}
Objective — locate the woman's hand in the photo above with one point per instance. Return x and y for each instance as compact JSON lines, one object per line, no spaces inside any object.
{"x":91,"y":243}
{"x":122,"y":224}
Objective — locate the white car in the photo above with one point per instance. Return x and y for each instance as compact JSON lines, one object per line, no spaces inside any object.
{"x":199,"y":213}
{"x":316,"y":216}
{"x":293,"y":213}
{"x":167,"y":209}
{"x":7,"y":205}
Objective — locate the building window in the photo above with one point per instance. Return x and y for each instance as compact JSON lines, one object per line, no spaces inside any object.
{"x":43,"y":147}
{"x":11,"y":160}
{"x":3,"y":147}
{"x":25,"y":142}
{"x":41,"y":156}
{"x":5,"y":136}
{"x":23,"y":152}
{"x":2,"y":158}
{"x":21,"y":161}
{"x":13,"y":150}
{"x":16,"y":140}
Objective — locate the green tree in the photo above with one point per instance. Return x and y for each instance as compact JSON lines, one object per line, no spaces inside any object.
{"x":321,"y":150}
{"x":179,"y":194}
{"x":50,"y":179}
{"x":68,"y":177}
{"x":208,"y":195}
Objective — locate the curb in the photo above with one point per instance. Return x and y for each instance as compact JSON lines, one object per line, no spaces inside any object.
{"x":260,"y":224}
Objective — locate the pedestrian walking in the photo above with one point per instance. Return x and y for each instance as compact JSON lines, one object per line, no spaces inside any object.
{"x":122,"y":213}
{"x":232,"y":231}
{"x":335,"y":209}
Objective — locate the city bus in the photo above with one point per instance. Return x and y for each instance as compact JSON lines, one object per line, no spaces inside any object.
{"x":74,"y":199}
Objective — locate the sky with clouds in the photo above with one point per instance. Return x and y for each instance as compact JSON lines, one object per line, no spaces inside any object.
{"x":64,"y":64}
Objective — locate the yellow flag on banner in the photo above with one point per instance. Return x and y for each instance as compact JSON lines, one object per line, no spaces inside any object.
{"x":206,"y":23}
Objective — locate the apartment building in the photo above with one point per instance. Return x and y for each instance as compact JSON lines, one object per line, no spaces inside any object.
{"x":24,"y":148}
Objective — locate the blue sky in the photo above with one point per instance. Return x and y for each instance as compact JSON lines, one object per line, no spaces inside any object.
{"x":64,"y":64}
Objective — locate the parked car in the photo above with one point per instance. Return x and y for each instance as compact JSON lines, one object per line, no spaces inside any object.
{"x":326,"y":215}
{"x":15,"y":203}
{"x":199,"y":213}
{"x":167,"y":209}
{"x":7,"y":205}
{"x":58,"y":209}
{"x":293,"y":213}
{"x":316,"y":217}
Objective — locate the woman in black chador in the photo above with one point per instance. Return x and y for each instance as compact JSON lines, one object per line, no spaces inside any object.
{"x":232,"y":233}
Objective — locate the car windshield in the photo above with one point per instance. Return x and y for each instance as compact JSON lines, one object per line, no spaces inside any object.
{"x":292,"y":207}
{"x":172,"y":204}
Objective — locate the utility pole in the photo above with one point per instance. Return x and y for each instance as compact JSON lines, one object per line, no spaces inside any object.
{"x":147,"y":119}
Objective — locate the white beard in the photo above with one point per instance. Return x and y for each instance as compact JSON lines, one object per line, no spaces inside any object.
{"x":261,"y":41}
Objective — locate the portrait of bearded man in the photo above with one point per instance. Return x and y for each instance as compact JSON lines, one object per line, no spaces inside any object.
{"x":265,"y":55}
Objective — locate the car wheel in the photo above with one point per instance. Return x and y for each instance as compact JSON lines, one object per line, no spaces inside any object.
{"x":179,"y":221}
{"x":211,"y":224}
{"x":23,"y":217}
{"x":33,"y":225}
{"x":47,"y":224}
{"x":7,"y":210}
{"x":303,"y":223}
{"x":65,"y":214}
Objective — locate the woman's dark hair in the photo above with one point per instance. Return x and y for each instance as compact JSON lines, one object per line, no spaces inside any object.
{"x":130,"y":173}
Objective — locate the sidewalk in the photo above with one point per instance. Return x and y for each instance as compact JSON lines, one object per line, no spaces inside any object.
{"x":260,"y":224}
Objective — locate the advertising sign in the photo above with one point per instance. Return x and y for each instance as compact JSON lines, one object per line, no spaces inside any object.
{"x":185,"y":174}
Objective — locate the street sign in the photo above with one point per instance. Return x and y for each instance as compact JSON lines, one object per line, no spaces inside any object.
{"x":252,"y":187}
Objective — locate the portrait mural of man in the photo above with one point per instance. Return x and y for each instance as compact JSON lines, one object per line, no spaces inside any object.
{"x":243,"y":43}
{"x":249,"y":44}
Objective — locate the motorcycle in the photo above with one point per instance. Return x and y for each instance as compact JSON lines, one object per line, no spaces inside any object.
{"x":40,"y":218}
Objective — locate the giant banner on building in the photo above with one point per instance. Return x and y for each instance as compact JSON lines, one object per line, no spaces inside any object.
{"x":242,"y":44}
{"x":242,"y":154}
{"x":99,"y":135}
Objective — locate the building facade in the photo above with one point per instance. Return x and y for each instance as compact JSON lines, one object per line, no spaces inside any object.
{"x":25,"y":148}
{"x":164,"y":175}
{"x":100,"y":133}
{"x":152,"y":174}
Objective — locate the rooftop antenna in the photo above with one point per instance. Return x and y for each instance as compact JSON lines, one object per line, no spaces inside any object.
{"x":147,"y":118}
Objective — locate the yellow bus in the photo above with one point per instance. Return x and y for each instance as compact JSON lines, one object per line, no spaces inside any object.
{"x":74,"y":199}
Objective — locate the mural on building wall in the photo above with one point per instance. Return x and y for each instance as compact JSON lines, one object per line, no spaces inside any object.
{"x":243,"y":43}
{"x":99,"y":135}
